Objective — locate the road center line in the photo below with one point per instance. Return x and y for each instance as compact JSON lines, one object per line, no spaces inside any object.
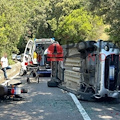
{"x":80,"y":107}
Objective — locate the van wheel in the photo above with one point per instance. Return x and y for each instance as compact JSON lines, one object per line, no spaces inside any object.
{"x":52,"y":84}
{"x":85,"y":45}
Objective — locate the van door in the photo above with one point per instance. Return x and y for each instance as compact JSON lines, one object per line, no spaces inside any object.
{"x":27,"y":57}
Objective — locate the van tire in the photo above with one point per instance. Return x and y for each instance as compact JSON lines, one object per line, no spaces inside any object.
{"x":82,"y":46}
{"x":52,"y":84}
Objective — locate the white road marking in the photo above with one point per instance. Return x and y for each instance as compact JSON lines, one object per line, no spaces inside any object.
{"x":80,"y":107}
{"x":10,"y":79}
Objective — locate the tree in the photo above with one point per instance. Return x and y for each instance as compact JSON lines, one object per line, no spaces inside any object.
{"x":60,"y":9}
{"x":13,"y":18}
{"x":109,"y":10}
{"x":26,"y":19}
{"x":79,"y":25}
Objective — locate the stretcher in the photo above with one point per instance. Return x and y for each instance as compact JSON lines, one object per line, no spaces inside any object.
{"x":37,"y":71}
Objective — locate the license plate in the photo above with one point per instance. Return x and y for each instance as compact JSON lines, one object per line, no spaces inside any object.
{"x":17,"y":91}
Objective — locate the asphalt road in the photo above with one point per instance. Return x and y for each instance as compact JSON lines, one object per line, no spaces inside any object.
{"x":41,"y":103}
{"x":44,"y":103}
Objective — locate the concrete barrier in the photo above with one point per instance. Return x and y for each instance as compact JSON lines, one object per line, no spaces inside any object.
{"x":11,"y":72}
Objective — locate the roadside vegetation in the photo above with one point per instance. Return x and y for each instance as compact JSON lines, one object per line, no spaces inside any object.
{"x":62,"y":19}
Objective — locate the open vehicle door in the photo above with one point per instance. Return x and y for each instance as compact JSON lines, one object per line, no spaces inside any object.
{"x":27,"y":57}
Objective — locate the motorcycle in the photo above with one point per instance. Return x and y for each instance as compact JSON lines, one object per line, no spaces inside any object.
{"x":11,"y":92}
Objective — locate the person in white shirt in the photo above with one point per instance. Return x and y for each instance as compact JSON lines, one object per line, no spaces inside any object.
{"x":4,"y":65}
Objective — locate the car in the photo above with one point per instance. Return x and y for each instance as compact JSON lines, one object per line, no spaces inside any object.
{"x":18,"y":57}
{"x":14,"y":56}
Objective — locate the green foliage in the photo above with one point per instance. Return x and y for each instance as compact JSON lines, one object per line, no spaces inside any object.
{"x":27,"y":19}
{"x":11,"y":24}
{"x":79,"y":25}
{"x":11,"y":62}
{"x":109,"y":10}
{"x":60,"y":9}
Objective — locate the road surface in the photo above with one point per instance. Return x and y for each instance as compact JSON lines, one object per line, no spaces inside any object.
{"x":44,"y":103}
